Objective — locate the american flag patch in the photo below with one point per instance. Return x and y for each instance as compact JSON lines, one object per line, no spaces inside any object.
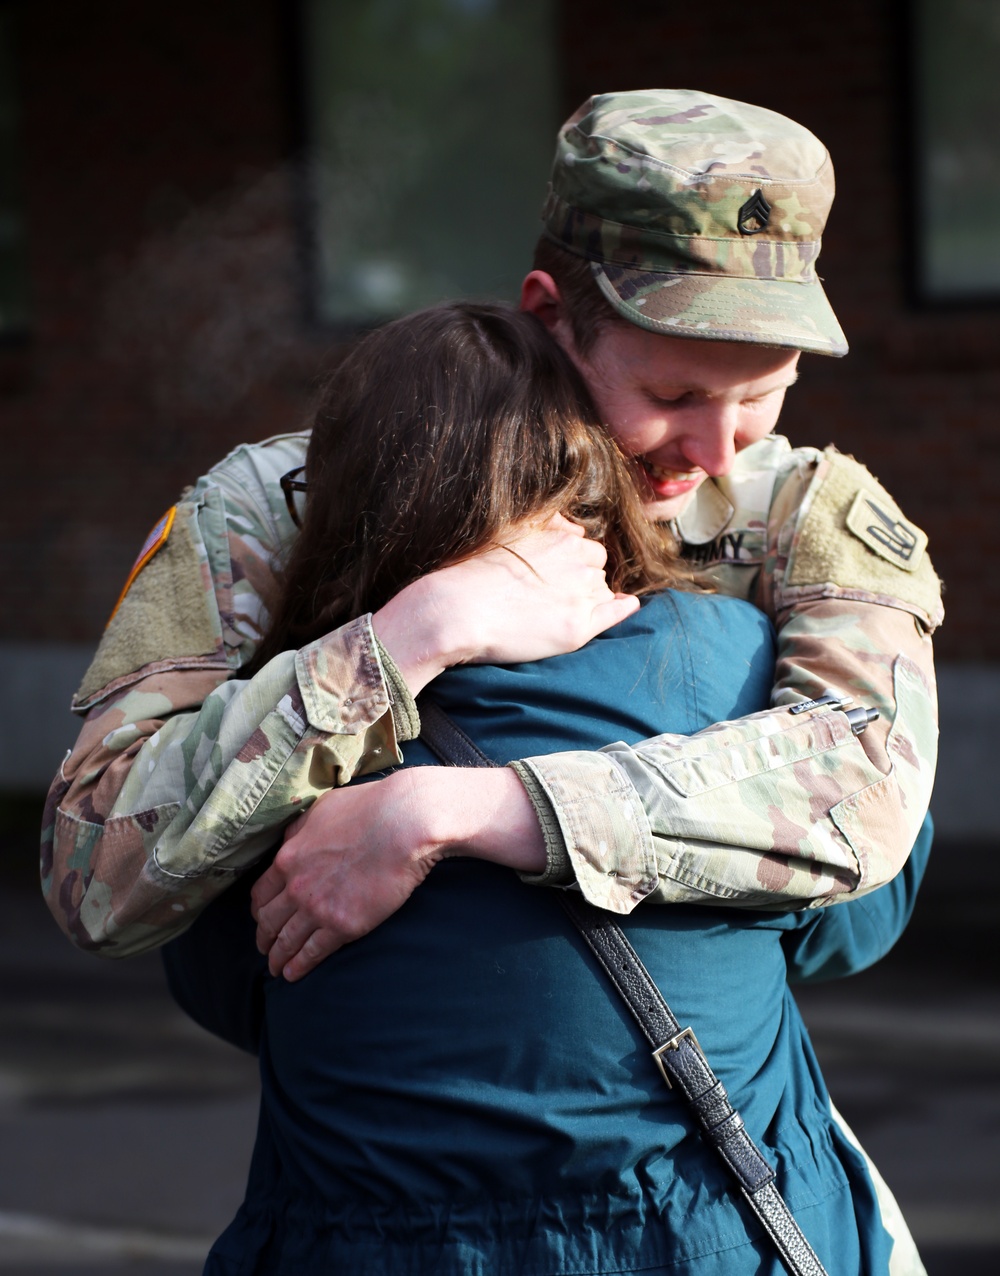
{"x":156,"y":539}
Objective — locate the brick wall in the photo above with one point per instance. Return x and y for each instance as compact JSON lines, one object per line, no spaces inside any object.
{"x":166,"y":321}
{"x":163,"y":258}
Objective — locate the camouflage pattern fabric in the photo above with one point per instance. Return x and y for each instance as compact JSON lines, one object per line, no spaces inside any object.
{"x":182,"y":777}
{"x":815,"y":812}
{"x":184,"y":774}
{"x":703,"y":216}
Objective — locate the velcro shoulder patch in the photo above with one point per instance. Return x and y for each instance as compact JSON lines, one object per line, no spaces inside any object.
{"x":167,"y":612}
{"x":855,"y":538}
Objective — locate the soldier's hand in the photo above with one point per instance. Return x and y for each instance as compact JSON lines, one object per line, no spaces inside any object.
{"x":541,"y":594}
{"x":359,"y":853}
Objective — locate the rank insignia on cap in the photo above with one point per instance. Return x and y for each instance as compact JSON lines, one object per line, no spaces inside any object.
{"x":884,"y":530}
{"x":753,"y":215}
{"x":154,"y":542}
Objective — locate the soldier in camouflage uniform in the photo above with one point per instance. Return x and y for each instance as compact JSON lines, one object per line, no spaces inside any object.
{"x":697,"y":220}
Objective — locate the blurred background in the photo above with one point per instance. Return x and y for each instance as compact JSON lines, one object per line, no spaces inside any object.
{"x":198,"y":204}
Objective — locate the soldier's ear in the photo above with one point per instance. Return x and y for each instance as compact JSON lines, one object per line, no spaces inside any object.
{"x":540,"y":296}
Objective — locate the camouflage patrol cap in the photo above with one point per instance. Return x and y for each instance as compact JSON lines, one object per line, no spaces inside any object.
{"x":701,"y":216}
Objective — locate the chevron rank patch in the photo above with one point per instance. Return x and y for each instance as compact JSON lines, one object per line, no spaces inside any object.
{"x":880,"y":526}
{"x":155,"y":541}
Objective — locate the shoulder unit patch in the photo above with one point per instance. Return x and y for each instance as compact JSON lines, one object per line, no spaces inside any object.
{"x":883,"y":529}
{"x":156,"y":539}
{"x":167,"y":615}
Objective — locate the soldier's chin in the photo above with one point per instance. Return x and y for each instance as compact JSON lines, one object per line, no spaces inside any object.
{"x":661,"y":508}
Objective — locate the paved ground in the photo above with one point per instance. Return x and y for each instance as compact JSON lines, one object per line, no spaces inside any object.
{"x":126,"y":1131}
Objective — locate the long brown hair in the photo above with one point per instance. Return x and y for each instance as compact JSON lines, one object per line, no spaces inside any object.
{"x":433,"y":436}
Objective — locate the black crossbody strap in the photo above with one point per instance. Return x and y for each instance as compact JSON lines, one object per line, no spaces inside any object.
{"x":675,"y":1049}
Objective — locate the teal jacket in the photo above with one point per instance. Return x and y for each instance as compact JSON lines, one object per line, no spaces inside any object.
{"x":460,"y":1092}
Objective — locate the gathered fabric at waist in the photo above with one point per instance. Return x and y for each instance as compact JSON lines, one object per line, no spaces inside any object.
{"x":689,"y":1223}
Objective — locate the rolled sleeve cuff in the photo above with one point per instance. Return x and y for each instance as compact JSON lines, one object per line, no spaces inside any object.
{"x":405,"y":715}
{"x":558,"y":869}
{"x":350,"y":687}
{"x":340,"y":679}
{"x":596,"y":831}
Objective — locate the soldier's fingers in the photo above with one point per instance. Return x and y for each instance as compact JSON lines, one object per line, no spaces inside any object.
{"x":294,"y":935}
{"x":272,"y":920}
{"x":319,"y":945}
{"x":560,"y":523}
{"x":267,"y":888}
{"x":614,"y":611}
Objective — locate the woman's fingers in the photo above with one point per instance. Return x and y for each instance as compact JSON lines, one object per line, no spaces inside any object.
{"x":541,"y":594}
{"x":559,"y":522}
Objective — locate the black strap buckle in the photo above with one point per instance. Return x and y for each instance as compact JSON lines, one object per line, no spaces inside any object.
{"x":675,"y":1044}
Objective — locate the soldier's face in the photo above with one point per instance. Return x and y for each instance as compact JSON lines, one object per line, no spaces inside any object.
{"x":683,"y":408}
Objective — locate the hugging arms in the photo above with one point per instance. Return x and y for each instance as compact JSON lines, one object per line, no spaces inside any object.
{"x":186,"y":768}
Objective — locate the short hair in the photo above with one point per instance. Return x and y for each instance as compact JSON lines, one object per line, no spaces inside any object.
{"x":588,"y":310}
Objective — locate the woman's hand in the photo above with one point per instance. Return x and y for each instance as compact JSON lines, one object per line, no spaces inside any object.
{"x":541,"y":594}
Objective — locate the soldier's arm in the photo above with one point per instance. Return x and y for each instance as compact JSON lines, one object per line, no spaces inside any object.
{"x":180,"y":782}
{"x":780,"y":810}
{"x":829,"y":943}
{"x":185,"y":772}
{"x":776,"y":810}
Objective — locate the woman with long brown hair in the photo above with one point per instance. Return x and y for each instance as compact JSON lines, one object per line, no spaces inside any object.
{"x":457,"y":1091}
{"x":436,"y":436}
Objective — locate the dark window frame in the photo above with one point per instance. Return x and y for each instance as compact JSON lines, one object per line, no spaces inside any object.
{"x":913,"y":148}
{"x":301,"y":141}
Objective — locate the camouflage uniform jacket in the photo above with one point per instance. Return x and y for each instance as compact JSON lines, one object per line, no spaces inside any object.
{"x":184,"y":773}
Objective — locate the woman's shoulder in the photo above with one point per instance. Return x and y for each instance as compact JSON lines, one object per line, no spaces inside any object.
{"x":680,"y":663}
{"x":716,"y":615}
{"x":721,"y":649}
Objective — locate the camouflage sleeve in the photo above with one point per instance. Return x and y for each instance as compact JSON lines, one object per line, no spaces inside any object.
{"x":777,"y":810}
{"x":184,"y":772}
{"x":182,"y":781}
{"x":829,"y":943}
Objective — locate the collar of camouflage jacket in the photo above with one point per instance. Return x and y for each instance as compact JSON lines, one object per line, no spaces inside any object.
{"x":743,"y":495}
